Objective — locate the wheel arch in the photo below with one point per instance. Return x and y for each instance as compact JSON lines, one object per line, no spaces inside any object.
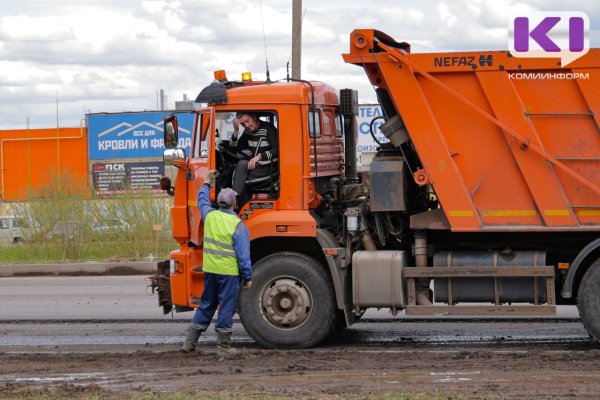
{"x":585,"y":258}
{"x":326,"y":251}
{"x":267,"y":245}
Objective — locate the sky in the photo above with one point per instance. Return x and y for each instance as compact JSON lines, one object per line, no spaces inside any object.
{"x":62,"y":59}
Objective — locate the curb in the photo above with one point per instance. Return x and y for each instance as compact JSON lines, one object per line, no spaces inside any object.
{"x":79,"y":269}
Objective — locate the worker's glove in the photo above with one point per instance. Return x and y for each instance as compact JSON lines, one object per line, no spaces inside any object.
{"x":246,"y":284}
{"x":211,"y":176}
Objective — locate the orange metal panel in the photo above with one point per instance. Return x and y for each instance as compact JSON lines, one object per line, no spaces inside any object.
{"x":282,"y":93}
{"x":186,"y":283}
{"x":480,"y":152}
{"x":195,"y":277}
{"x":178,"y":280}
{"x":30,"y":159}
{"x":299,"y":223}
{"x":589,"y":91}
{"x":551,"y":203}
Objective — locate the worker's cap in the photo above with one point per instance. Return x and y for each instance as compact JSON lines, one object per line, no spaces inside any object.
{"x":226,"y":197}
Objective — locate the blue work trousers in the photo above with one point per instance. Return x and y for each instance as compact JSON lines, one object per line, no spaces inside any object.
{"x":219,"y":290}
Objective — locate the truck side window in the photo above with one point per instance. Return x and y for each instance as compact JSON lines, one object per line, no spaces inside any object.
{"x":338,"y":126}
{"x":271,"y":119}
{"x":328,"y":123}
{"x":200,"y":138}
{"x":317,"y":124}
{"x":224,"y":125}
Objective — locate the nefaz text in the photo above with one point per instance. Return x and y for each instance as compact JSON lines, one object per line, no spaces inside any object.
{"x":464,"y":61}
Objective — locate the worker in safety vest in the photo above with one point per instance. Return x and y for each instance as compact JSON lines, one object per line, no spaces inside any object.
{"x":226,"y":257}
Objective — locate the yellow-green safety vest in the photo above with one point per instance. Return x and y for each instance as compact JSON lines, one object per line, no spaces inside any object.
{"x":219,"y":255}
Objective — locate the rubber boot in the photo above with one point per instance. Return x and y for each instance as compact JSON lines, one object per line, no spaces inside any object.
{"x":223,"y":343}
{"x":193,"y":334}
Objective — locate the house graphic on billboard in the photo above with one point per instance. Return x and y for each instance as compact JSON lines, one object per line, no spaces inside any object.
{"x":132,"y":135}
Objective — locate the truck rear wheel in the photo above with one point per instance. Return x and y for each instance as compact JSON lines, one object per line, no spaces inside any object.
{"x":290,"y":303}
{"x":588,"y":301}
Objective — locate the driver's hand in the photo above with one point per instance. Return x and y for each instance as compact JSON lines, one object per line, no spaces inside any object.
{"x":253,"y":161}
{"x":236,"y":127}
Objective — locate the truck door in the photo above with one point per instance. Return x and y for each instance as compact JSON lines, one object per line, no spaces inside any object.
{"x":198,"y":166}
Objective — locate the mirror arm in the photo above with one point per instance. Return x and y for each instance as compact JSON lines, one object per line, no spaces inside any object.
{"x":188,"y":172}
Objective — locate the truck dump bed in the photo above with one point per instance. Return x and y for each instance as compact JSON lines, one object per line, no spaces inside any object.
{"x":507,"y":143}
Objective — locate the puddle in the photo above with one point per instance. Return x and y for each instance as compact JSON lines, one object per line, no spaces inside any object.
{"x":108,"y":340}
{"x":63,"y":378}
{"x":99,"y":378}
{"x":451,"y":377}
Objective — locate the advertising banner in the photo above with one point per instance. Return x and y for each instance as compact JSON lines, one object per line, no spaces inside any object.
{"x":366,"y":113}
{"x":133,"y":135}
{"x":365,"y":143}
{"x":120,"y":177}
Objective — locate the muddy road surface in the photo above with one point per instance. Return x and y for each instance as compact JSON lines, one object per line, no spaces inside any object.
{"x":75,"y":337}
{"x":503,"y":359}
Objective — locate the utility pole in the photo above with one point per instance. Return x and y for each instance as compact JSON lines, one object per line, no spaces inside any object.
{"x":28,"y":156}
{"x":57,"y":139}
{"x":297,"y":39}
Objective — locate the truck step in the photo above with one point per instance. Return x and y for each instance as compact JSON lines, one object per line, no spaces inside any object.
{"x":498,"y":307}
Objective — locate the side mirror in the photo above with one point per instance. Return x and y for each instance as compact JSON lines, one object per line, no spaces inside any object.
{"x":170,"y":132}
{"x":171,"y":156}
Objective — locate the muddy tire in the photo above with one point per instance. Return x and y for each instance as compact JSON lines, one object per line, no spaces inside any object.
{"x":588,"y":301}
{"x":290,"y":304}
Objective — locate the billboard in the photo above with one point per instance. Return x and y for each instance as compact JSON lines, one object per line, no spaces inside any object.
{"x":365,"y":142}
{"x":133,"y":135}
{"x":119,"y":177}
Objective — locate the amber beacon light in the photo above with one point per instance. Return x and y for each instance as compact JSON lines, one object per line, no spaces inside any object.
{"x":246,"y":77}
{"x":220,"y":75}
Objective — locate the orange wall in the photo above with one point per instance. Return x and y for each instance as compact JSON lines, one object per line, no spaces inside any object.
{"x":36,"y":156}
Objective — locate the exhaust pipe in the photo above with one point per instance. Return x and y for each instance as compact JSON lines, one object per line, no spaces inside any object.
{"x":349,"y":109}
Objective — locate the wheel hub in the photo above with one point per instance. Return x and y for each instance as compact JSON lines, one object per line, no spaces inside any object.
{"x":286,"y":303}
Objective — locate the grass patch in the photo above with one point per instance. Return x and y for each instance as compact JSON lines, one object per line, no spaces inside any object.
{"x":62,"y":227}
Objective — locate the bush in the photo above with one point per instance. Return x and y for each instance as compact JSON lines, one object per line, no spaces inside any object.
{"x":62,"y":218}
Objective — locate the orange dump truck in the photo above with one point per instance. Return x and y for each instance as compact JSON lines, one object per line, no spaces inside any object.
{"x":485,"y":200}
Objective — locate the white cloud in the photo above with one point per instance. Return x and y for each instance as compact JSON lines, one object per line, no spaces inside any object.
{"x":114,"y":55}
{"x":23,"y":28}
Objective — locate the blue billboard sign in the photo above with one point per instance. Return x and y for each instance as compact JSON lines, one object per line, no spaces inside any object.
{"x":366,"y":113}
{"x":133,"y":135}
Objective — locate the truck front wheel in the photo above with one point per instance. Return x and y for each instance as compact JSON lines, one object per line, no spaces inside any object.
{"x":588,"y":301}
{"x":290,"y":303}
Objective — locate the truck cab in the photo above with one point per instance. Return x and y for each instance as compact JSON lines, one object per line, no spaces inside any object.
{"x":279,"y":213}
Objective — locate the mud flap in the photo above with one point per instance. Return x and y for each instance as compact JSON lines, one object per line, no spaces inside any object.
{"x":161,"y":284}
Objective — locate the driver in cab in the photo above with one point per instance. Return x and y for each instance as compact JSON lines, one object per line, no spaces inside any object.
{"x":259,"y":143}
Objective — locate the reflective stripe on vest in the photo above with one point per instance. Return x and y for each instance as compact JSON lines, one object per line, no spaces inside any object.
{"x":219,"y":255}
